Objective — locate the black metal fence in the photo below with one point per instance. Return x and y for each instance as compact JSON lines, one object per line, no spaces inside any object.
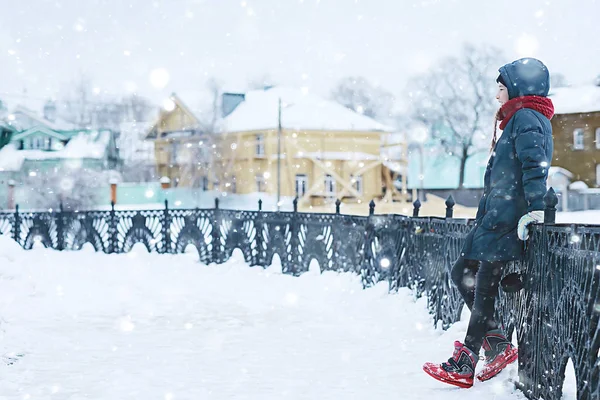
{"x":555,"y":316}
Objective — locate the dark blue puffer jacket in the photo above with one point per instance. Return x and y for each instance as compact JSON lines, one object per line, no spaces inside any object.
{"x":516,"y":174}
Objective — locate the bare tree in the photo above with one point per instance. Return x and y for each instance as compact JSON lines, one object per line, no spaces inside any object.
{"x":76,"y":106}
{"x":357,"y":94}
{"x":455,"y":100}
{"x":202,"y":151}
{"x":87,"y":109}
{"x":76,"y":189}
{"x":137,"y":108}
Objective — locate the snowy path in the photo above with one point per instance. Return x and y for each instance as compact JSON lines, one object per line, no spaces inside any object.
{"x":140,"y":326}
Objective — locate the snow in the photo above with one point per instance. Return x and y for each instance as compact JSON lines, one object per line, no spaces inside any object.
{"x":24,"y":119}
{"x":560,"y":170}
{"x":338,"y":155}
{"x":84,"y":145}
{"x":590,"y":217}
{"x":578,"y":185}
{"x":131,"y":143}
{"x":148,"y":326}
{"x":300,"y":110}
{"x":576,"y":99}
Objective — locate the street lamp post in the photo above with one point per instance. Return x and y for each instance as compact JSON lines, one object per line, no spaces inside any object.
{"x":419,"y":136}
{"x":279,"y":157}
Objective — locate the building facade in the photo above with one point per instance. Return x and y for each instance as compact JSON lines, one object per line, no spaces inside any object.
{"x":278,"y":140}
{"x":576,"y":130}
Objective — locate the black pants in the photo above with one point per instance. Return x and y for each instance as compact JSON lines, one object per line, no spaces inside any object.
{"x":478,"y":283}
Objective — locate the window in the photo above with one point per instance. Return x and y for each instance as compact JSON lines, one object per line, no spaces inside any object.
{"x":260,"y":145}
{"x":329,"y":185}
{"x":301,"y":184}
{"x":357,"y":183}
{"x":578,"y":139}
{"x":48,"y":143}
{"x":205,"y":183}
{"x":598,"y":174}
{"x":38,"y":143}
{"x":598,"y":138}
{"x":174,"y":151}
{"x":260,"y":183}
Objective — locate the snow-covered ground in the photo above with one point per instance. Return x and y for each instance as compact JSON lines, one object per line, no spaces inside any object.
{"x":148,"y":326}
{"x":590,"y":217}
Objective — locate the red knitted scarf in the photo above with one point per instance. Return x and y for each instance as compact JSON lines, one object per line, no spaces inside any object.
{"x":543,"y":105}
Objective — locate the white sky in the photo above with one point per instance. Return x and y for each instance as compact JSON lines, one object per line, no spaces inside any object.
{"x":44,"y":45}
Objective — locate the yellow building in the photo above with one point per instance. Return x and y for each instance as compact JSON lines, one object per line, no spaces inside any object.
{"x":327,"y":151}
{"x":181,"y":145}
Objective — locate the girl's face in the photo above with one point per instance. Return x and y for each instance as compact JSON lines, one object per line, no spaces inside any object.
{"x":502,"y":95}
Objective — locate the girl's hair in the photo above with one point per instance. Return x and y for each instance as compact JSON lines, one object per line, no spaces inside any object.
{"x":496,"y":119}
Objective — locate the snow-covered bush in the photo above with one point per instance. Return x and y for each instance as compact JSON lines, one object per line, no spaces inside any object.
{"x":77,"y":189}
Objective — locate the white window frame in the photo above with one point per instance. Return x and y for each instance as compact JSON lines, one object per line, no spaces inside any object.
{"x":260,"y":183}
{"x":598,"y":138}
{"x":301,"y":184}
{"x":358,"y":183}
{"x":578,"y":139}
{"x":329,"y":185}
{"x":260,"y":145}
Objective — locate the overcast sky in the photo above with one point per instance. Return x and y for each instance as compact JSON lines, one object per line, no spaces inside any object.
{"x":45,"y":45}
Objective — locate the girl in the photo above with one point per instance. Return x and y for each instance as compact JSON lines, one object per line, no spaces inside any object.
{"x":514,"y":187}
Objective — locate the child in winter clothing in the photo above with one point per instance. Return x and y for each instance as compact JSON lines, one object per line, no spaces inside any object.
{"x":515,"y":184}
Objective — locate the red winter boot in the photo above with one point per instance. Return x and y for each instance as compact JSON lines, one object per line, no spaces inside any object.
{"x":458,"y":371}
{"x":499,"y":352}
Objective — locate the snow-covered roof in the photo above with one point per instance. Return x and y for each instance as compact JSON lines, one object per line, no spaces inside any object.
{"x":576,"y":99}
{"x":560,"y":170}
{"x":396,"y":166}
{"x":300,"y":110}
{"x":36,"y":120}
{"x":84,"y":145}
{"x":578,"y":185}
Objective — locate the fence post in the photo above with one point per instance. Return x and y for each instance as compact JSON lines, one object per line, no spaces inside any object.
{"x":112,"y":230}
{"x":17,"y":226}
{"x":338,"y":202}
{"x":60,"y":231}
{"x":450,"y":203}
{"x":417,"y":207}
{"x":294,"y":241}
{"x":550,"y":201}
{"x":216,"y":234}
{"x":259,"y":238}
{"x":367,"y":270}
{"x":166,"y":228}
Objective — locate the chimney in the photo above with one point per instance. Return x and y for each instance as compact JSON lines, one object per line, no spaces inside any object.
{"x":230,"y":101}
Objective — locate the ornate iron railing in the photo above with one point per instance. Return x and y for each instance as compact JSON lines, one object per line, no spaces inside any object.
{"x":555,"y":315}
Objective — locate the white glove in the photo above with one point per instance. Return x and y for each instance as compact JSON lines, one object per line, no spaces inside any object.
{"x":531,"y":217}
